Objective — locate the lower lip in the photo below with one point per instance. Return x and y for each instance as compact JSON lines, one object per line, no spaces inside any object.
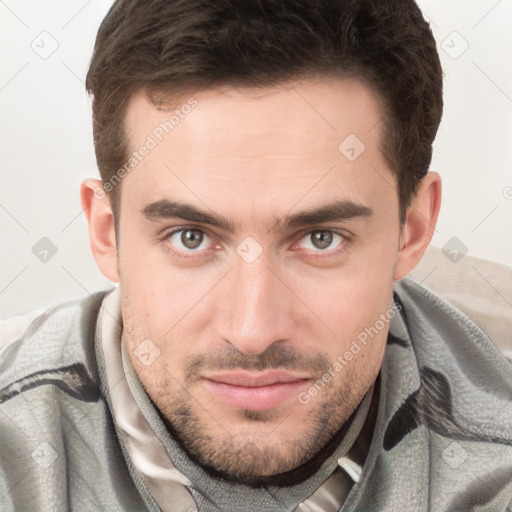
{"x":256,"y":398}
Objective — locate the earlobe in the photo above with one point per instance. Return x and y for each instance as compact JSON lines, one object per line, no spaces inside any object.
{"x":419,"y":226}
{"x":100,"y":218}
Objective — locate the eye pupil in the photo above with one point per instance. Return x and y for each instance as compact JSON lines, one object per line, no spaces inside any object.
{"x":321,"y":239}
{"x":191,"y":238}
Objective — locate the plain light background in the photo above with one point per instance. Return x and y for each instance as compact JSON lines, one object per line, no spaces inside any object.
{"x":47,"y":148}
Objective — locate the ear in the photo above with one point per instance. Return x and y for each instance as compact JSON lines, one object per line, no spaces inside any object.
{"x":419,"y":226}
{"x":100,"y":218}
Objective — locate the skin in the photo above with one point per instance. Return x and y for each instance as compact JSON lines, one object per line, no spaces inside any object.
{"x":255,"y":156}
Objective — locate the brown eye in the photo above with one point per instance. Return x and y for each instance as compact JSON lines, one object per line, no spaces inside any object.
{"x":191,"y":238}
{"x":321,"y":239}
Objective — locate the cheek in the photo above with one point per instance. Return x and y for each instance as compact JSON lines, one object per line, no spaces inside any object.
{"x":352,"y":301}
{"x":160,"y":294}
{"x":353,"y":294}
{"x":148,"y":327}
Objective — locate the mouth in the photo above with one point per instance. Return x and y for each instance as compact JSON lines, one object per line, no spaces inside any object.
{"x":256,"y":390}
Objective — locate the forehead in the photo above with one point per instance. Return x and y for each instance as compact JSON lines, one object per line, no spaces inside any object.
{"x":260,"y":146}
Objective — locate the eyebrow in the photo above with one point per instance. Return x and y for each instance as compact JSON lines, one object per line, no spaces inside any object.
{"x":334,"y":211}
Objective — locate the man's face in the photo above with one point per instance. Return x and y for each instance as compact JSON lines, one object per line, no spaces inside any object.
{"x":244,"y":316}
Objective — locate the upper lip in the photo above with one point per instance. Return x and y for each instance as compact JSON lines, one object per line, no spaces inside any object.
{"x":256,"y":378}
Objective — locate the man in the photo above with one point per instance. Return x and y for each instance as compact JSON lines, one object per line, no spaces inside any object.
{"x":265,"y":193}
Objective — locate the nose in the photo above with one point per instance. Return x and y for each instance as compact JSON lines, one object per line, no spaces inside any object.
{"x":258,"y":309}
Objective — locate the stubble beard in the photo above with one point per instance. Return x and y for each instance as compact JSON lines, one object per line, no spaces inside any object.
{"x":254,"y":459}
{"x":257,"y":458}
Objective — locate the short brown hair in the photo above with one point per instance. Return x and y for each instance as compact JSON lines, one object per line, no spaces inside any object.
{"x":177,"y":45}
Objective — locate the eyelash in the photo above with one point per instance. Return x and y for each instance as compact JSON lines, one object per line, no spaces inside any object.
{"x":175,"y":252}
{"x":328,"y":253}
{"x":315,"y":255}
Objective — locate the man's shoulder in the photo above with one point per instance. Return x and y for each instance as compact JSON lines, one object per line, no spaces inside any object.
{"x":59,"y":447}
{"x":57,"y":346}
{"x":445,"y":412}
{"x":432,"y":321}
{"x":449,"y":345}
{"x":465,"y":382}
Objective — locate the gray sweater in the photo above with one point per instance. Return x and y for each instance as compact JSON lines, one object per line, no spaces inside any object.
{"x":440,"y":440}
